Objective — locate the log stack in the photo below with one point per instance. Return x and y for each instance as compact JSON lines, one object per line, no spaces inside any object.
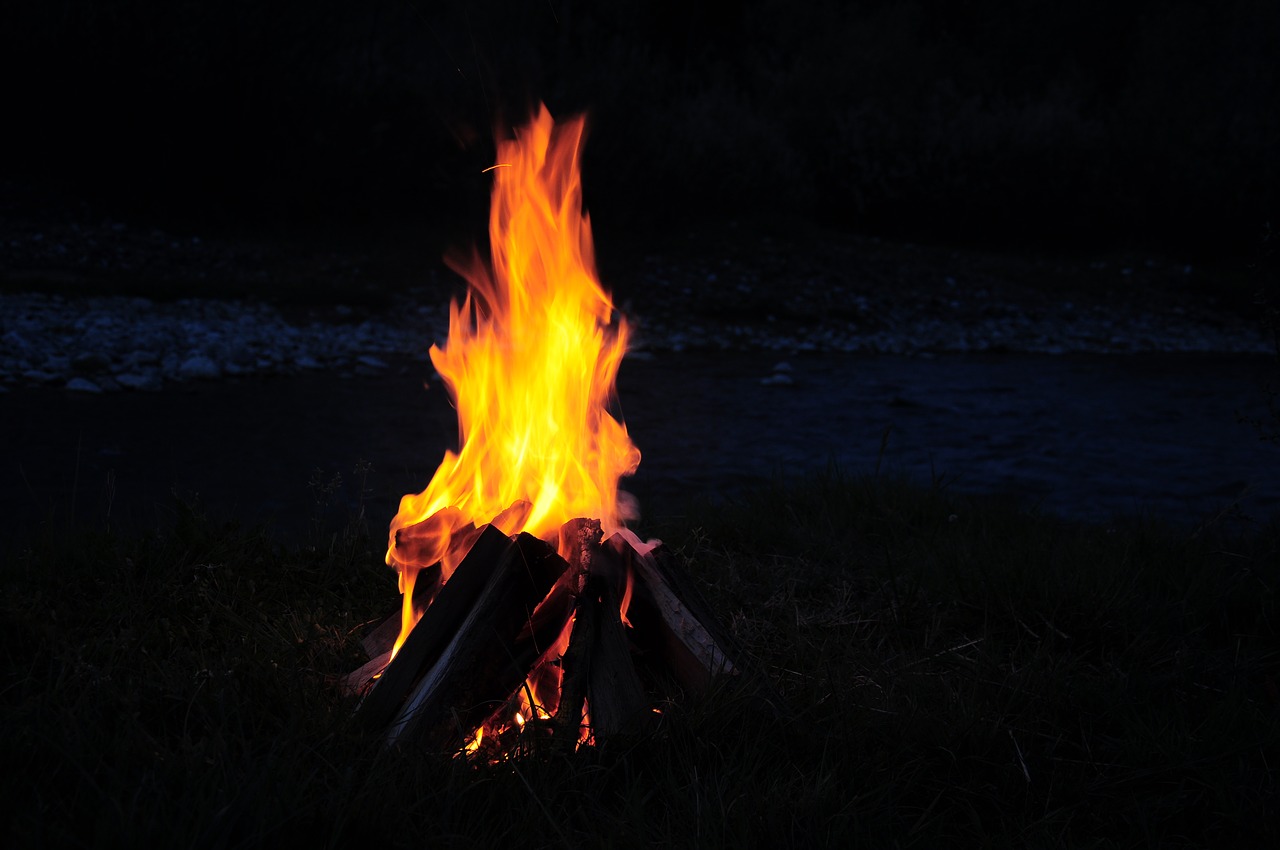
{"x":638,"y":634}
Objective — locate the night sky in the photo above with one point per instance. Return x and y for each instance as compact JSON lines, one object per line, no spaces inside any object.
{"x":1036,"y":123}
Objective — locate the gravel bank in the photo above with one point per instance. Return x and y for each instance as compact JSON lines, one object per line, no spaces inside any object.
{"x":730,"y":292}
{"x":110,"y":343}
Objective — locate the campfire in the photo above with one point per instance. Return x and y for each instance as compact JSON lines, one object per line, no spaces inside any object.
{"x":529,"y":611}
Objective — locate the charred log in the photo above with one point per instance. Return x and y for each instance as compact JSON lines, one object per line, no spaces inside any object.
{"x":438,"y":625}
{"x":492,"y":632}
{"x":477,"y":669}
{"x":617,"y":701}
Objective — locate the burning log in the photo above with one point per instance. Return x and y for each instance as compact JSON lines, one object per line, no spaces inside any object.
{"x":475,"y":671}
{"x":492,"y":630}
{"x":425,"y":644}
{"x":378,"y":643}
{"x":617,"y":700}
{"x":460,"y":651}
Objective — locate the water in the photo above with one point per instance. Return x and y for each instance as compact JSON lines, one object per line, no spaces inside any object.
{"x":1079,"y":436}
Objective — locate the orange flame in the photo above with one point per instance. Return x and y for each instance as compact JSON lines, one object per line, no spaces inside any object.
{"x":531,"y":359}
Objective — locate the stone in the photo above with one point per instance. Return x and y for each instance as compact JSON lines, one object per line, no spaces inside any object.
{"x":147,"y":382}
{"x":199,"y":367}
{"x":83,"y":385}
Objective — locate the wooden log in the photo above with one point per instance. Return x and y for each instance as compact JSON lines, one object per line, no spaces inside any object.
{"x":597,"y":664}
{"x":670,"y":613}
{"x":617,"y":701}
{"x":579,"y":543}
{"x":383,"y":636}
{"x":425,"y":543}
{"x":494,"y":622}
{"x":691,"y":642}
{"x":360,"y":680}
{"x":475,"y":669}
{"x":436,"y":627}
{"x":548,"y":620}
{"x":577,"y":671}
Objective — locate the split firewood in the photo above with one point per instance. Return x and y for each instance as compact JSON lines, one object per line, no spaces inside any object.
{"x":378,"y":643}
{"x":383,"y":637}
{"x":579,"y":542}
{"x":576,"y":664}
{"x":474,"y":671}
{"x":438,"y":625}
{"x":683,"y":621}
{"x":617,"y":701}
{"x":698,"y":646}
{"x":429,"y":541}
{"x":380,"y":640}
{"x":490,"y":640}
{"x":360,"y":680}
{"x":598,"y":667}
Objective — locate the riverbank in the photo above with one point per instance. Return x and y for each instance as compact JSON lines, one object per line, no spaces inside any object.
{"x":106,"y":306}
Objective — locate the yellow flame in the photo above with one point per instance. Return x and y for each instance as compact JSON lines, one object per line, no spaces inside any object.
{"x":531,"y":359}
{"x":474,"y":743}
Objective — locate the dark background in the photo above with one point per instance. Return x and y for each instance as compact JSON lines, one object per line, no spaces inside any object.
{"x":867,"y":164}
{"x":1084,"y":125}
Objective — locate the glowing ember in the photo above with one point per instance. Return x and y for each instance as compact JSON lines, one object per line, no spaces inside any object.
{"x":531,"y":359}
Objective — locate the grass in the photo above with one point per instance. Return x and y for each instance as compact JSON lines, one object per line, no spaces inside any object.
{"x":961,"y":674}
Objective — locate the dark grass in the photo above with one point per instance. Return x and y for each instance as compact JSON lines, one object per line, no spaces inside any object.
{"x":961,"y":674}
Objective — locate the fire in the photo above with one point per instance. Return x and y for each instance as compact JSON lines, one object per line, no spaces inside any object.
{"x":512,"y":639}
{"x":531,"y":359}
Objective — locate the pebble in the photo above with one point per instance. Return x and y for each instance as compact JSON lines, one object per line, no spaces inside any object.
{"x":116,"y":342}
{"x":133,"y":381}
{"x":138,"y":344}
{"x":83,"y":385}
{"x":199,"y":367}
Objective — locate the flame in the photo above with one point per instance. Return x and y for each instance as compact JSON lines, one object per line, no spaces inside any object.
{"x":538,"y":696}
{"x":625,"y":605}
{"x":531,"y":359}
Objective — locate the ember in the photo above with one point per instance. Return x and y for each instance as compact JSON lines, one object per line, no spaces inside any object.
{"x":527,"y":604}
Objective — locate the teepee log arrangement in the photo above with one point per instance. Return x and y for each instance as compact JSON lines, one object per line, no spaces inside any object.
{"x":488,"y":640}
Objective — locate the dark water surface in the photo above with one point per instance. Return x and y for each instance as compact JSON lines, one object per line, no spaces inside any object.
{"x":1082,"y":436}
{"x":1087,"y":436}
